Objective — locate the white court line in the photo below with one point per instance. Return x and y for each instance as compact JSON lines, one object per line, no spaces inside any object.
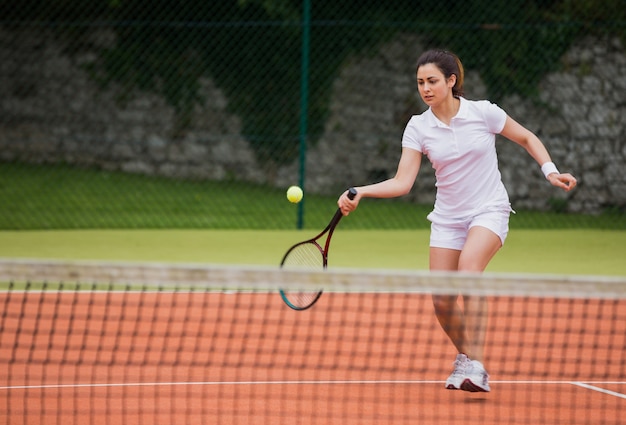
{"x":601,"y":390}
{"x":354,"y":382}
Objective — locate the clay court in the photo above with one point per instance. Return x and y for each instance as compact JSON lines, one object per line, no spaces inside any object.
{"x":92,"y":357}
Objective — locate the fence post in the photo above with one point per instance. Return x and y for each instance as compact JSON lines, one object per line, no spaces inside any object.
{"x":304,"y":100}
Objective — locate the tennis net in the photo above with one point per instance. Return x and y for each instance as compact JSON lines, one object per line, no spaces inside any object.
{"x":94,"y":343}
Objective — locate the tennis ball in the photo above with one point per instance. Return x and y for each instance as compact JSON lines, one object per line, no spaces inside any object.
{"x":294,"y":194}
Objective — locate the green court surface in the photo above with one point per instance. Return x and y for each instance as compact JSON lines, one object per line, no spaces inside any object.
{"x":588,"y":252}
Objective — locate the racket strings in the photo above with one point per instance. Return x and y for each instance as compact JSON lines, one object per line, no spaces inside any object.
{"x":309,"y":257}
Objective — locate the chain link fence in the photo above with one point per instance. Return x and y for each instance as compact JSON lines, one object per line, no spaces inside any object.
{"x":196,"y":114}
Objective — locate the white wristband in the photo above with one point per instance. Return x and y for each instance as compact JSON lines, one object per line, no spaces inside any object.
{"x":549,"y":168}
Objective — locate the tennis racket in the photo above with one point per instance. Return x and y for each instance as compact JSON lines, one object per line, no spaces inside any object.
{"x":309,"y":255}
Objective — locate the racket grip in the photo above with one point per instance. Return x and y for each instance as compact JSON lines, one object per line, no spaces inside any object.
{"x":351,"y":193}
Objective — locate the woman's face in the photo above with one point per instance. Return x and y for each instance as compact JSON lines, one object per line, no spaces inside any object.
{"x":432,"y":84}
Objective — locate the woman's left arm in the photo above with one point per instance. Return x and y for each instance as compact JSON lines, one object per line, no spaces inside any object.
{"x":528,"y":140}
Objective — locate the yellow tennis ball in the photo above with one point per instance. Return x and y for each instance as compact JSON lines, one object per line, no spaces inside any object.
{"x":294,"y":194}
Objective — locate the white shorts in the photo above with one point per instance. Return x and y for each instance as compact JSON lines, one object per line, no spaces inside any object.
{"x":453,"y":235}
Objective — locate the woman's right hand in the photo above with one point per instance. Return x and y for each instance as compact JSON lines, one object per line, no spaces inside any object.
{"x":347,"y":205}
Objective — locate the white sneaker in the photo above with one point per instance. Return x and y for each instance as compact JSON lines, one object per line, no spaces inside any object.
{"x":476,"y":378}
{"x":458,"y":376}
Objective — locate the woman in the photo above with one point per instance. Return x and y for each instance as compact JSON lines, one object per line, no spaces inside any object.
{"x":469,"y":222}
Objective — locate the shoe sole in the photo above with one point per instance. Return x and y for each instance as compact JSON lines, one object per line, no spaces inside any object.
{"x":469,"y":386}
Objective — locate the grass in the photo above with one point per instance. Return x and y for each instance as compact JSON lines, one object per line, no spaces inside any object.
{"x":577,"y":251}
{"x":39,"y":197}
{"x":62,"y":212}
{"x":62,"y":197}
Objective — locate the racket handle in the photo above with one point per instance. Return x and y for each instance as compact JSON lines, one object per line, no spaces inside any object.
{"x":351,"y":193}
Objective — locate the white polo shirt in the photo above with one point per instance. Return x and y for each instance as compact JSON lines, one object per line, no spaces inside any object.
{"x":464,"y":157}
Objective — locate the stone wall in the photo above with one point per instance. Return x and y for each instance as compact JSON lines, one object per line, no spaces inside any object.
{"x":53,"y":112}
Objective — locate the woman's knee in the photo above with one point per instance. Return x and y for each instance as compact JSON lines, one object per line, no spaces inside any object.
{"x":444,"y":303}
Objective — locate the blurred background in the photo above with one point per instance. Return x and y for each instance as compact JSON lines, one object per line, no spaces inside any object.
{"x":195,"y":114}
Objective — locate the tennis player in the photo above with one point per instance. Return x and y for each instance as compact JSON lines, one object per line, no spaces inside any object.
{"x":469,"y":222}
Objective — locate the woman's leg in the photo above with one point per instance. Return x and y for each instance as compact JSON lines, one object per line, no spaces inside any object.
{"x":466,"y":327}
{"x":447,"y":309}
{"x":481,"y":246}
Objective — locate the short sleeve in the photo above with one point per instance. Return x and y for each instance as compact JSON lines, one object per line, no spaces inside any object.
{"x":494,"y":116}
{"x":411,"y":138}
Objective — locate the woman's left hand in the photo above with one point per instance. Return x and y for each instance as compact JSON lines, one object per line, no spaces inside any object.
{"x":565,"y":181}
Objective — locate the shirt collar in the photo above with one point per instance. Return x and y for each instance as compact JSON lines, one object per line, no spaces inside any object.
{"x":461,"y":114}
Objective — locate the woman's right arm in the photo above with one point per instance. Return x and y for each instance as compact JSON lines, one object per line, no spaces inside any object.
{"x":399,"y":185}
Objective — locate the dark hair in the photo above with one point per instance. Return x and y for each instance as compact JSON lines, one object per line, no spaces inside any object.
{"x":448,"y":63}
